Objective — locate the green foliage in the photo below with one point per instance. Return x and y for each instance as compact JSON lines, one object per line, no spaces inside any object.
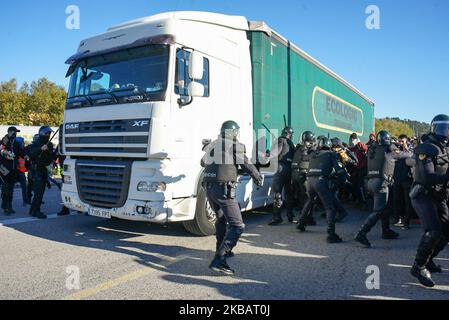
{"x":396,"y":127}
{"x":41,"y":103}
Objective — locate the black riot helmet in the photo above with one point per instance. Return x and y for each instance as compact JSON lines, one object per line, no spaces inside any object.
{"x":287,"y":132}
{"x":383,"y":138}
{"x":308,"y":137}
{"x":336,"y":142}
{"x":324,"y":144}
{"x":230,"y":129}
{"x":440,"y":127}
{"x":44,"y":133}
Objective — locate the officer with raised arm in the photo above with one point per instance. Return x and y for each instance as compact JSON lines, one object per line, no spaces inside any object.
{"x":221,"y":162}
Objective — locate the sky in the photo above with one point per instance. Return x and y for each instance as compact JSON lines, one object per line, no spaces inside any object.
{"x":403,"y":66}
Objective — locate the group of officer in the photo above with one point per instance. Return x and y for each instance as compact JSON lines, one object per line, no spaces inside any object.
{"x":310,"y":174}
{"x":16,"y":159}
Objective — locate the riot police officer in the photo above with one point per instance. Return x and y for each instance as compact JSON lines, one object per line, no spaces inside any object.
{"x":221,"y":161}
{"x":300,"y":165}
{"x":282,"y":179}
{"x":429,"y":197}
{"x":323,"y":166}
{"x":42,"y":155}
{"x":381,"y":163}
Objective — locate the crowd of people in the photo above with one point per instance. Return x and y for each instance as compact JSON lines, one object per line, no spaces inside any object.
{"x":30,"y":166}
{"x":403,"y":176}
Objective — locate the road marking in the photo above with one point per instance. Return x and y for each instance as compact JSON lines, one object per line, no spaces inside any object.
{"x":84,"y":294}
{"x":378,"y":298}
{"x":11,"y":222}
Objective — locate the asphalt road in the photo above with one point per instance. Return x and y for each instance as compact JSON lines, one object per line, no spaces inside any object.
{"x":126,"y":260}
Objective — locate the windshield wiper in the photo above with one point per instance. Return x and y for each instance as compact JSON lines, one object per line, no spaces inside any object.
{"x":106,"y":92}
{"x":89,"y":99}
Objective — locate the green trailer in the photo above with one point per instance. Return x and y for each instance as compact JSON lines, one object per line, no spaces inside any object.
{"x":291,"y":86}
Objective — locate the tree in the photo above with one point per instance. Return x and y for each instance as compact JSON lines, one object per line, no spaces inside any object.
{"x":395,"y":127}
{"x":41,"y":103}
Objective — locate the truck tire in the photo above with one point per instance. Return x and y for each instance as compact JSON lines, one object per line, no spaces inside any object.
{"x":204,"y":222}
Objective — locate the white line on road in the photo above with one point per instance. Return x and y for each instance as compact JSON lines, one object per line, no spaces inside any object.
{"x":11,"y":222}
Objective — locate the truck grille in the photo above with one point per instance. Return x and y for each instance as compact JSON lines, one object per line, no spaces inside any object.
{"x":125,"y":138}
{"x":103,"y":184}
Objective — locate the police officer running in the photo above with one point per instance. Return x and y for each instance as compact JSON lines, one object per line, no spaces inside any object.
{"x":300,"y":165}
{"x":221,"y":161}
{"x":429,"y":197}
{"x":41,"y":153}
{"x":323,"y":167}
{"x":381,"y":163}
{"x":282,"y":179}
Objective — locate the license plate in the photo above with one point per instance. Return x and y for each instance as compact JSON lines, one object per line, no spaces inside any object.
{"x":101,"y":213}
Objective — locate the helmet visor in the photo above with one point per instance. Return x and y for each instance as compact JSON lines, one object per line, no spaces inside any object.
{"x":441,"y":129}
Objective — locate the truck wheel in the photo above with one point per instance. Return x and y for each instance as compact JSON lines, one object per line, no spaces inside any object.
{"x":205,"y":217}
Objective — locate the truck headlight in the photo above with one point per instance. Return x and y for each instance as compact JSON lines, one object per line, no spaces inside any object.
{"x":144,"y":186}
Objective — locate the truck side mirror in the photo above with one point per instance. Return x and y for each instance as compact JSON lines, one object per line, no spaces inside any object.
{"x":195,"y":89}
{"x":196,"y":66}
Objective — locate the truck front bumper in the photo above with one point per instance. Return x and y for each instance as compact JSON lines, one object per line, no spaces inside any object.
{"x":136,"y":210}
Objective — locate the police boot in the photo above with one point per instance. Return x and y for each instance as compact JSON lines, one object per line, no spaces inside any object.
{"x":301,"y":226}
{"x":389,"y":234}
{"x":277,"y":219}
{"x":367,"y":226}
{"x":64,"y":211}
{"x":290,"y":217}
{"x":429,"y":242}
{"x":332,"y":237}
{"x":220,"y":265}
{"x":431,"y":265}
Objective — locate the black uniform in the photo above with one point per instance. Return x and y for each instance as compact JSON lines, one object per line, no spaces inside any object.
{"x":40,"y":161}
{"x":300,"y":165}
{"x":323,"y":166}
{"x":9,"y":153}
{"x":282,"y":179}
{"x":401,"y":188}
{"x":221,"y":162}
{"x":381,"y":164}
{"x":429,"y":197}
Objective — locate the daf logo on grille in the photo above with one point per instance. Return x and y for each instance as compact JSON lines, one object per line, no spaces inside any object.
{"x":73,"y":126}
{"x":142,"y":123}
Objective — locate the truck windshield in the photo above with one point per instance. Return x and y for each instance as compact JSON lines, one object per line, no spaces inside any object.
{"x":115,"y":76}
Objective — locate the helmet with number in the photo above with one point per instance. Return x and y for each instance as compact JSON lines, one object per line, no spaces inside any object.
{"x":287,"y":132}
{"x":230,"y":129}
{"x":440,"y":127}
{"x":383,"y":138}
{"x":324,"y":144}
{"x":308,"y":137}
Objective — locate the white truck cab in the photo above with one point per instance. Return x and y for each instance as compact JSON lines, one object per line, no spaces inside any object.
{"x":143,"y":98}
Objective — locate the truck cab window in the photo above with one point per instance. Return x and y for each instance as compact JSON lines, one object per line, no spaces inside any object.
{"x":183,"y":80}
